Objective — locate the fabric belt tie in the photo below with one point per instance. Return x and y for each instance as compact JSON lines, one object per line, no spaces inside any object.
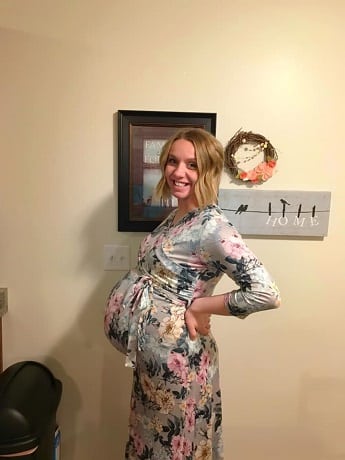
{"x":139,"y":303}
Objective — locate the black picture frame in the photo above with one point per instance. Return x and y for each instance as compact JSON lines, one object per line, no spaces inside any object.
{"x":141,"y":134}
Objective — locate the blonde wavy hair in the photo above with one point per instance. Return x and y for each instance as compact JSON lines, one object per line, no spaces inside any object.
{"x":209,"y":154}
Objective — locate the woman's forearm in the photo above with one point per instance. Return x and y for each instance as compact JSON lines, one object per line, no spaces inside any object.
{"x":213,"y":305}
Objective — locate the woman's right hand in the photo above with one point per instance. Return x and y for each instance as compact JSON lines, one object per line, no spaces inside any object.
{"x":197,"y":322}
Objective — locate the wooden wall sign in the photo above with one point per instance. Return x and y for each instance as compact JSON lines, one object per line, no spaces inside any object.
{"x":274,"y":212}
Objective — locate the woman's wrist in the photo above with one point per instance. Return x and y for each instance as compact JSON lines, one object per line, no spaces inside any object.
{"x":195,"y":305}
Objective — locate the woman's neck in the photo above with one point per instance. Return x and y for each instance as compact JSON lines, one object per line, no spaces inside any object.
{"x":182,"y":211}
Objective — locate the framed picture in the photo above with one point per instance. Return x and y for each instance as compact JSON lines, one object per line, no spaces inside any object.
{"x":141,"y":136}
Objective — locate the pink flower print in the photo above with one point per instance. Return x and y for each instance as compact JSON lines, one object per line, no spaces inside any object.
{"x":159,"y":240}
{"x":181,"y":447}
{"x":190,"y":405}
{"x":137,"y":288}
{"x":187,"y":447}
{"x":177,"y":363}
{"x":205,"y":360}
{"x":177,"y":446}
{"x":113,"y":307}
{"x":189,"y":223}
{"x":177,"y":456}
{"x":138,"y":443}
{"x":184,"y":380}
{"x":174,"y":231}
{"x":201,"y":376}
{"x":190,"y":421}
{"x":234,"y":248}
{"x":107,"y":321}
{"x":115,"y":302}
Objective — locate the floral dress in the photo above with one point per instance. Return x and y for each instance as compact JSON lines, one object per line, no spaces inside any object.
{"x":175,"y":411}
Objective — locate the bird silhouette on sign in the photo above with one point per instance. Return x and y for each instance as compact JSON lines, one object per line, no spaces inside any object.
{"x":241,"y":208}
{"x":284,"y":202}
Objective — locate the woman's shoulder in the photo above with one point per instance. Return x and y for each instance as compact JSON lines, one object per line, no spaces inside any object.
{"x":215,"y":221}
{"x":214,"y":213}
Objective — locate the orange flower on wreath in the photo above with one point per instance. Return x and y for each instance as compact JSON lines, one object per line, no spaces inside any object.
{"x":260,"y":173}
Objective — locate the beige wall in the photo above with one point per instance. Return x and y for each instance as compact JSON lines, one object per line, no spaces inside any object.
{"x":271,"y":66}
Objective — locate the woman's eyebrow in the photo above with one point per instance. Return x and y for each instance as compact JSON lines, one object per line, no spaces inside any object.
{"x":187,"y":159}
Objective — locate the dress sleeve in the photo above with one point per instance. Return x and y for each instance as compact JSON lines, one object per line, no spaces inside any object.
{"x":223,"y":250}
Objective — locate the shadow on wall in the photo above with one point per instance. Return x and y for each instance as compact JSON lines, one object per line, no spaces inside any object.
{"x":93,"y":414}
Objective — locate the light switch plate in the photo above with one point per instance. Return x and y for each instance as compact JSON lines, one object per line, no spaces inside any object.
{"x":116,"y":257}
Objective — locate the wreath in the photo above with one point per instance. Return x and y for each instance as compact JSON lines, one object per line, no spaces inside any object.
{"x":250,"y":157}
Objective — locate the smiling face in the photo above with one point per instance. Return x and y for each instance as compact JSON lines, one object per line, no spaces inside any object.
{"x":181,"y":173}
{"x":191,"y":163}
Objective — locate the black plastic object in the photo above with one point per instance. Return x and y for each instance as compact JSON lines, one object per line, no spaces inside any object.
{"x":29,"y":398}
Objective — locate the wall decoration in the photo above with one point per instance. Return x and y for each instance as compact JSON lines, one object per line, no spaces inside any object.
{"x":141,"y":136}
{"x":250,"y":157}
{"x":268,"y":212}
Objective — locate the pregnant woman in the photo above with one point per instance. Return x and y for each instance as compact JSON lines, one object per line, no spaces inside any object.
{"x":159,"y":314}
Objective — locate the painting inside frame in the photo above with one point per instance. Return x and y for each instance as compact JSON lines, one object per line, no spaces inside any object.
{"x":141,"y":136}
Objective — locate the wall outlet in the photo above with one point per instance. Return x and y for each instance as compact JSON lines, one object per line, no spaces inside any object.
{"x":3,"y":301}
{"x":116,"y":257}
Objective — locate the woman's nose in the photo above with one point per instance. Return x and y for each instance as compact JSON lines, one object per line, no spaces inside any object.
{"x":180,"y":169}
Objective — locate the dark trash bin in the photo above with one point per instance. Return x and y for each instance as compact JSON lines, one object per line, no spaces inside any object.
{"x":29,"y":398}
